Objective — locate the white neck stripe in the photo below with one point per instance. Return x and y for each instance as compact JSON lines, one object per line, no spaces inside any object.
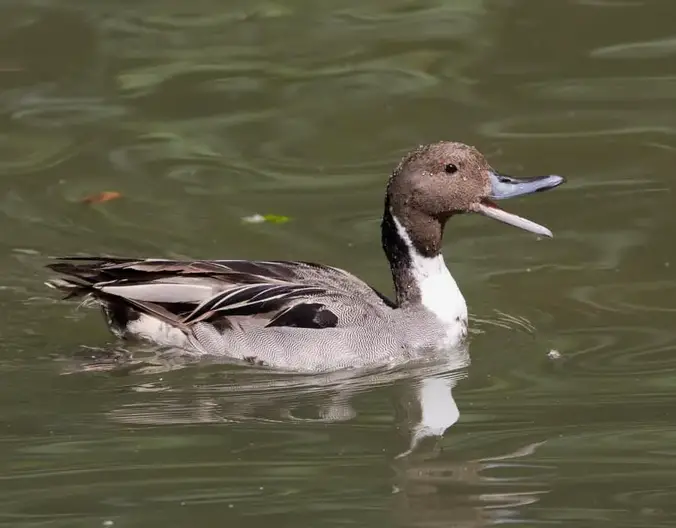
{"x":439,"y":292}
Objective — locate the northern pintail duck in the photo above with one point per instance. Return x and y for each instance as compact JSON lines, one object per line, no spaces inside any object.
{"x":312,"y":317}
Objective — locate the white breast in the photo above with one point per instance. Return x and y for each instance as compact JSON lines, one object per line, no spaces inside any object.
{"x":438,"y":290}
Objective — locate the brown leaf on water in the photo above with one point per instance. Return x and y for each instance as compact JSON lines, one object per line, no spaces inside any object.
{"x":10,"y":68}
{"x":101,"y":197}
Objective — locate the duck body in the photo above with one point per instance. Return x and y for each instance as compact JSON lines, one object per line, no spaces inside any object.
{"x":290,"y":315}
{"x":311,"y":317}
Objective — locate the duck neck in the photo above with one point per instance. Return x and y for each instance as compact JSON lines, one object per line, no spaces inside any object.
{"x":412,"y":243}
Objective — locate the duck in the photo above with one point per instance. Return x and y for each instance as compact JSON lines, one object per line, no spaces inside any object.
{"x":305,"y":316}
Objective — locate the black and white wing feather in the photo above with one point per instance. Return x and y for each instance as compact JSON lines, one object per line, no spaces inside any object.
{"x":225,"y":293}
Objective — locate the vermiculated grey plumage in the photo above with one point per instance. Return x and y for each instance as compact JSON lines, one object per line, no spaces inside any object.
{"x":286,"y":314}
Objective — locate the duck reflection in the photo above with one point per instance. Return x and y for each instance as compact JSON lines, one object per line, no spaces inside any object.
{"x":422,"y":392}
{"x":430,"y":485}
{"x":442,"y":487}
{"x":431,"y":489}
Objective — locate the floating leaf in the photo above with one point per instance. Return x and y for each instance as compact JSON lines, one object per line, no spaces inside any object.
{"x":270,"y":218}
{"x":101,"y":197}
{"x":276,"y":219}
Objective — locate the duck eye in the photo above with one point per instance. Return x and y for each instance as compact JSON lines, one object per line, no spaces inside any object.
{"x":450,"y":169}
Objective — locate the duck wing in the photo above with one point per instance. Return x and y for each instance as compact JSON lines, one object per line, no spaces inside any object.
{"x":225,"y":293}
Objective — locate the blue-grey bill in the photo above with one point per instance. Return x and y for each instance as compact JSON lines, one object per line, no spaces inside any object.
{"x":503,"y":187}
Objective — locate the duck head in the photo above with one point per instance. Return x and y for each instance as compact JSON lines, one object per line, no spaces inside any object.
{"x":437,"y":181}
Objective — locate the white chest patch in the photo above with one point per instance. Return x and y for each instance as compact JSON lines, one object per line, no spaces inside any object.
{"x":439,"y":292}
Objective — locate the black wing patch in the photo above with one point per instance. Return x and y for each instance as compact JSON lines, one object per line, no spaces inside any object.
{"x":306,"y":315}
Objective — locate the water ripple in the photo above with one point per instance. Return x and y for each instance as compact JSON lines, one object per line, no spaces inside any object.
{"x":608,"y":352}
{"x":580,"y":124}
{"x":62,"y":112}
{"x":627,"y":297}
{"x":652,"y":49}
{"x":28,"y":152}
{"x":606,"y":89}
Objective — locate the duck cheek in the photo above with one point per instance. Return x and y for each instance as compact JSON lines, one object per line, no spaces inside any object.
{"x":462,"y":203}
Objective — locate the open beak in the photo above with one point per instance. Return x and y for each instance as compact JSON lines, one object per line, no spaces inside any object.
{"x":507,"y":187}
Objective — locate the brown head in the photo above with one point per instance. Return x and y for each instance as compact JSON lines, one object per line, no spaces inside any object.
{"x":434,"y":182}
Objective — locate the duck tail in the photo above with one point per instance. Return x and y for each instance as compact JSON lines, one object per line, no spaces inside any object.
{"x":75,"y":281}
{"x":84,"y":280}
{"x":72,"y":287}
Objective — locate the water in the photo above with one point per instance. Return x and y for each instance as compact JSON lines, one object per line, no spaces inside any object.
{"x":202,"y":113}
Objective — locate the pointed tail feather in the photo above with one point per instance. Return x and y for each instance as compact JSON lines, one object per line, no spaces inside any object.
{"x":78,"y":284}
{"x":72,"y":287}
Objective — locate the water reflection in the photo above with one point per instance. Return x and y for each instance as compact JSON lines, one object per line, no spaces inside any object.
{"x":438,"y":410}
{"x":434,"y":486}
{"x":175,"y":391}
{"x":430,"y":490}
{"x":220,"y":393}
{"x":180,"y":389}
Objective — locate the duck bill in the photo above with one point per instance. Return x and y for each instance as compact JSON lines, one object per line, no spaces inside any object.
{"x":503,"y":187}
